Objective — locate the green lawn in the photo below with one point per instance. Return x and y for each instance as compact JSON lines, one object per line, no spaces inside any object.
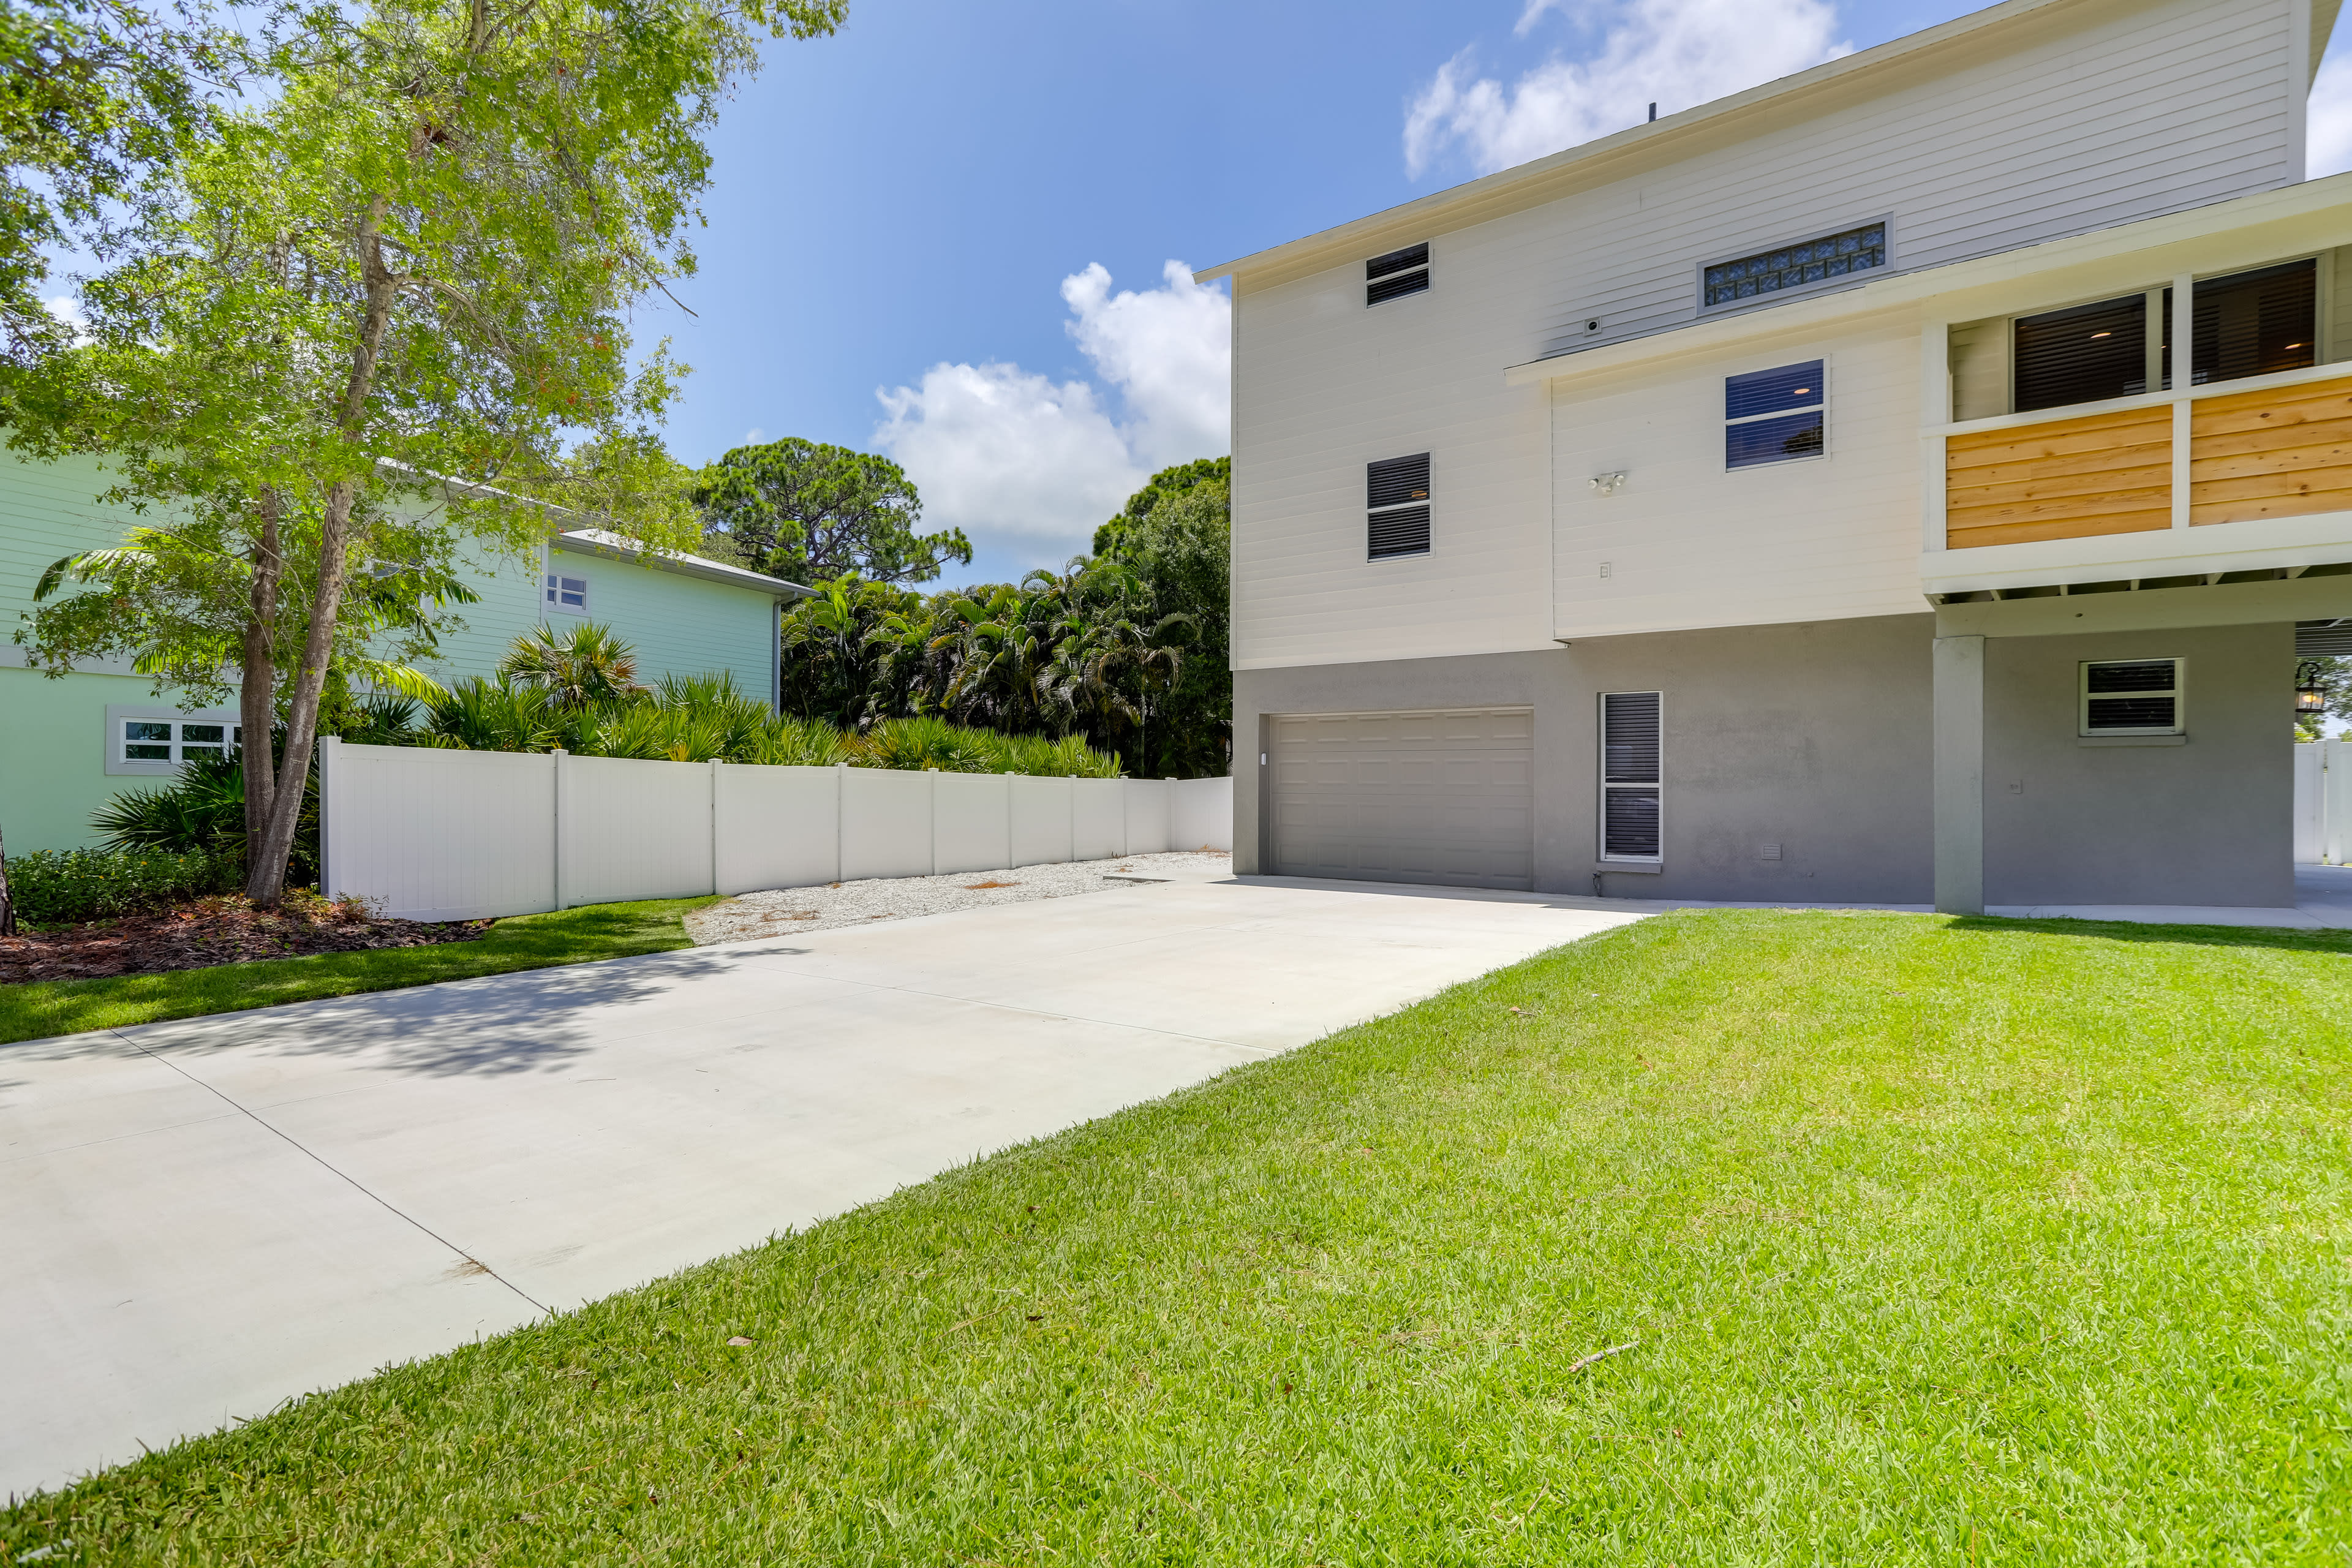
{"x":1935,"y":1241}
{"x":31,"y":1012}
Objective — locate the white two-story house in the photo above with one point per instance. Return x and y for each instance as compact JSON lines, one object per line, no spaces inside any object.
{"x":1910,"y":480}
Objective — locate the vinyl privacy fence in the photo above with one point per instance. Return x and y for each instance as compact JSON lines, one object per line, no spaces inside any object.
{"x":431,"y":835}
{"x":2323,"y":803}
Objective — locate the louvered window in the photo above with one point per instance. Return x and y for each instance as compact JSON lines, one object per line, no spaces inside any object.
{"x":1826,"y":259}
{"x":2133,"y":697}
{"x":1773,"y":416}
{"x":2083,"y":353}
{"x":2257,"y":322}
{"x":1397,"y":274}
{"x":1631,"y":783}
{"x":1396,"y":507}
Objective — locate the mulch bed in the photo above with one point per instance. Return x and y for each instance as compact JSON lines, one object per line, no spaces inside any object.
{"x":213,"y":931}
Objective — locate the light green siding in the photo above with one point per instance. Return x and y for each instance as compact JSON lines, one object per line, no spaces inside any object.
{"x":53,"y":733}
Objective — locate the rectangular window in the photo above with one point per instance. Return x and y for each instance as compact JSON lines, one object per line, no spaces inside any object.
{"x":172,"y":740}
{"x":568,"y":593}
{"x":1758,"y":427}
{"x":1787,"y":267}
{"x":1631,"y":783}
{"x":2132,"y":697}
{"x":2255,"y":323}
{"x":1397,"y":274}
{"x":2085,"y":354}
{"x":1396,"y":507}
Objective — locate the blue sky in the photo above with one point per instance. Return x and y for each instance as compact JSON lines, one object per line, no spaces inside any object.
{"x":896,"y":210}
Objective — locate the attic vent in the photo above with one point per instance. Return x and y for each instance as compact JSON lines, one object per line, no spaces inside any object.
{"x":1396,"y":507}
{"x":1397,"y":274}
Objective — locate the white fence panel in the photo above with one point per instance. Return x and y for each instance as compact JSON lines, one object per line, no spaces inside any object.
{"x":972,"y":826}
{"x":1040,"y":814}
{"x":2310,"y":818}
{"x":438,"y":835}
{"x":1201,"y":814}
{"x":2336,"y":800}
{"x":777,"y":828}
{"x":1147,"y":816}
{"x":632,"y":830}
{"x":886,"y":824}
{"x":1097,"y":818}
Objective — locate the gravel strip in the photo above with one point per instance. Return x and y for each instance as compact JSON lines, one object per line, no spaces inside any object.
{"x":752,"y":916}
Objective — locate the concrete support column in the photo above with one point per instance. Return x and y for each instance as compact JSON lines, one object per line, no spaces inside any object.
{"x":1959,"y":774}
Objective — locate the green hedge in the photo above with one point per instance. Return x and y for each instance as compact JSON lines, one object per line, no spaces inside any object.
{"x":62,"y":887}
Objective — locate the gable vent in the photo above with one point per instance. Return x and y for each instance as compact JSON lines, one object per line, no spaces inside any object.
{"x":1397,"y":274}
{"x":1396,"y":507}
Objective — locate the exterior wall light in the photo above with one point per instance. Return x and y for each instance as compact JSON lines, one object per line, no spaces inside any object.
{"x":1607,"y":484}
{"x":2310,"y":696}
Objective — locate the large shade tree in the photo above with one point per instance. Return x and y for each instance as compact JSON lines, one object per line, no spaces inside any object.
{"x":810,"y":512}
{"x":414,"y":258}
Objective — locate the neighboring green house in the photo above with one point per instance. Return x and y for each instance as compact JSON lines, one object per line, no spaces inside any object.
{"x":69,"y":743}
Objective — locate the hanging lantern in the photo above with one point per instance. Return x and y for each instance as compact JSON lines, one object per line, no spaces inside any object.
{"x":2310,"y":696}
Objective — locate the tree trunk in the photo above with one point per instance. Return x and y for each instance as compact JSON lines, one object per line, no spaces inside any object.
{"x":7,"y":904}
{"x":256,"y":702}
{"x":265,"y":871}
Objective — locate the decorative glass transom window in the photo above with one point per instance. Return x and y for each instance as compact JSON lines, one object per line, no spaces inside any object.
{"x":172,"y":740}
{"x":567,"y":593}
{"x":1773,"y":416}
{"x":2133,"y":697}
{"x":1794,"y":265}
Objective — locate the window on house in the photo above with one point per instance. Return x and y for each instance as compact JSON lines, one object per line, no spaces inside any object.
{"x":1787,"y":267}
{"x":1396,"y":507}
{"x":568,"y":593}
{"x":2085,"y":354}
{"x":1773,"y":416}
{"x":2255,"y":323}
{"x":1397,"y":274}
{"x":2132,"y":697}
{"x":1630,"y":784}
{"x":171,"y":740}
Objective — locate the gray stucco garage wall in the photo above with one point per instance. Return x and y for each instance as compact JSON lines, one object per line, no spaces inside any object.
{"x":2208,"y":822}
{"x":1814,"y":737}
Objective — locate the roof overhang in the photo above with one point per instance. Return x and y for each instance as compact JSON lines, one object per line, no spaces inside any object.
{"x":611,"y":546}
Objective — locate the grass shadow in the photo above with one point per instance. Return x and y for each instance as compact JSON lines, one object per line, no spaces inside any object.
{"x":2285,"y":938}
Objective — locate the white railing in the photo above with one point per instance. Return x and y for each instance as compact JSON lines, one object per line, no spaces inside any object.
{"x":2323,"y":803}
{"x":435,"y":834}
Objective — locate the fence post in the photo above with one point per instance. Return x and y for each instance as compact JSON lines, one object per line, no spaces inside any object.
{"x":934,"y":776}
{"x":716,"y":763}
{"x":1070,"y":815}
{"x":840,"y":813}
{"x":328,"y":745}
{"x":556,"y":816}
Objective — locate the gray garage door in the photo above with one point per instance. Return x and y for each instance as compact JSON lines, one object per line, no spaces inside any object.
{"x":1443,"y":796}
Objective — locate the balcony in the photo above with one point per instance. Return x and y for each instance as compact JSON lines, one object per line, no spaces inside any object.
{"x":2273,"y":451}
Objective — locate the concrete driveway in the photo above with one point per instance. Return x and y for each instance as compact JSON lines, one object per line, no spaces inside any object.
{"x":206,"y":1218}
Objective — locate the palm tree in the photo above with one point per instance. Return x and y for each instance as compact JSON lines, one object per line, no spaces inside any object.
{"x":579,"y":668}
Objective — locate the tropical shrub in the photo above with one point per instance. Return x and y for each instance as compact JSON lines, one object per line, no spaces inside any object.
{"x":66,"y":887}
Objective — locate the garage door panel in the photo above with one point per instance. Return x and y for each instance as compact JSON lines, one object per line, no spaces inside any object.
{"x":1441,"y":796}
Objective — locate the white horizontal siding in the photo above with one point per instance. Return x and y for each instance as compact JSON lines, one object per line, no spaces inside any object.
{"x":1690,"y":544}
{"x":2138,"y":111}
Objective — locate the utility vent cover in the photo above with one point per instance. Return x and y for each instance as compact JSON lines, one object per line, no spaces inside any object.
{"x":1397,"y":274}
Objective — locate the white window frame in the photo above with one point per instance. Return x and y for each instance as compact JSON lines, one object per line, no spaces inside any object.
{"x":1728,"y":424}
{"x":2179,"y":693}
{"x":120,"y":715}
{"x":1656,"y":785}
{"x":549,"y":595}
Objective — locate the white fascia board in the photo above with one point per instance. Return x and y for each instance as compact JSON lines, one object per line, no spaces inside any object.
{"x":2244,"y":230}
{"x":2151,"y":609}
{"x":2322,"y":539}
{"x":1494,"y":193}
{"x":611,"y":546}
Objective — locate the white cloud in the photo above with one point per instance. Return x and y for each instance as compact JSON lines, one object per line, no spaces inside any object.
{"x":67,"y":309}
{"x":2327,"y":141}
{"x":754,"y":436}
{"x":1674,"y":53}
{"x":1020,"y":461}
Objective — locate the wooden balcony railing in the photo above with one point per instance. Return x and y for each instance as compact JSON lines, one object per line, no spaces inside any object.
{"x":2279,"y":451}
